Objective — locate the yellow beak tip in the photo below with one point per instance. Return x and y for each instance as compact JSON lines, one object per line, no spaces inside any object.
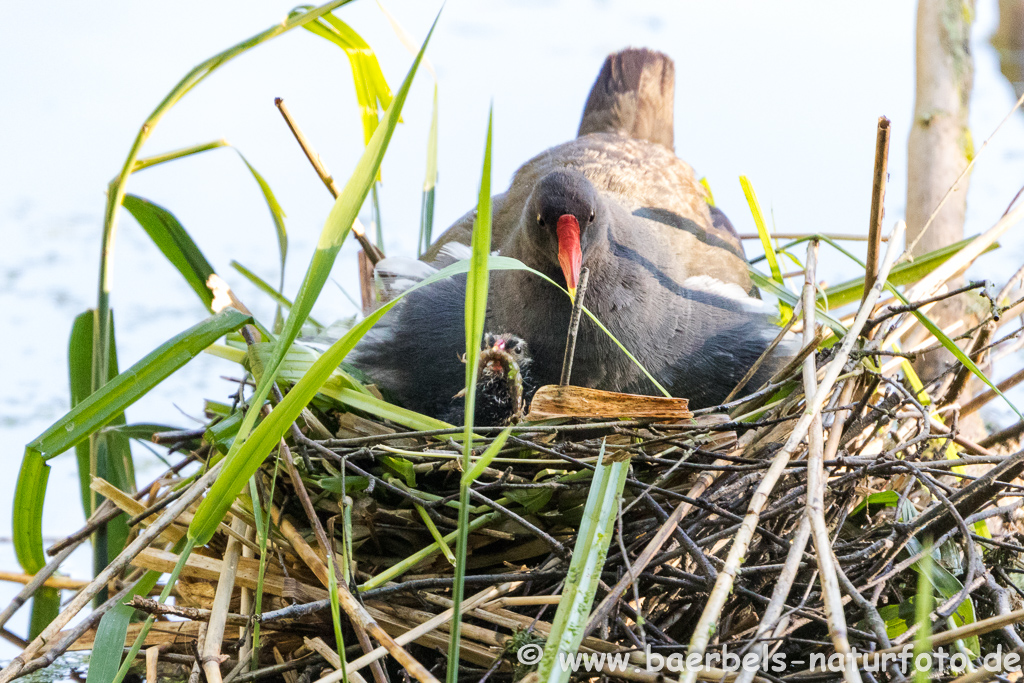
{"x":572,"y":294}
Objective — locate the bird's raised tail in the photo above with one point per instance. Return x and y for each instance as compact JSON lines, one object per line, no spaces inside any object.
{"x":633,"y":96}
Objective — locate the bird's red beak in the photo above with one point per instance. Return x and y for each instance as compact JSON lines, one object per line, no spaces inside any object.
{"x":570,"y":254}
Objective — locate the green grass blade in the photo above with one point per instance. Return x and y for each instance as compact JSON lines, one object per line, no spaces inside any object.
{"x":124,"y":389}
{"x":243,"y":460}
{"x":475,"y":315}
{"x":106,"y":455}
{"x":27,"y":524}
{"x":276,"y":213}
{"x":762,"y":229}
{"x":80,"y":380}
{"x":792,"y":299}
{"x":592,"y":542}
{"x":923,"y":637}
{"x":486,"y":457}
{"x":339,"y":639}
{"x":175,"y":243}
{"x":370,"y":85}
{"x":429,"y":184}
{"x":903,"y":274}
{"x":108,"y":645}
{"x":156,"y":160}
{"x":785,"y":308}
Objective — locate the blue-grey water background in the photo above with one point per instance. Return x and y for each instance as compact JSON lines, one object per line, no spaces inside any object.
{"x":786,"y":94}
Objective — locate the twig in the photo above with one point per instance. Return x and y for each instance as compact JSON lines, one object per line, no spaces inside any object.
{"x":574,"y":326}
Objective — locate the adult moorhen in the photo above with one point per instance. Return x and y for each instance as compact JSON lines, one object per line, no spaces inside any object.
{"x":668,"y":279}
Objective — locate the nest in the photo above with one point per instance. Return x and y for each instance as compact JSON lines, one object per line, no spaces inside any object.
{"x":843,"y":510}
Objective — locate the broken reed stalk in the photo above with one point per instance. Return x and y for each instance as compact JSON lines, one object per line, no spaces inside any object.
{"x":212,"y":658}
{"x":726,"y":577}
{"x":372,"y":252}
{"x":574,"y":327}
{"x":815,"y":506}
{"x":878,"y":182}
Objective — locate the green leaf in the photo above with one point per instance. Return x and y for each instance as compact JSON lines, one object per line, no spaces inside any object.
{"x":371,"y":87}
{"x":29,"y":494}
{"x":475,"y":315}
{"x":126,"y":388}
{"x":108,"y":455}
{"x":399,"y":466}
{"x":762,"y":229}
{"x":174,"y":241}
{"x":902,"y":274}
{"x":243,"y":458}
{"x":110,"y":634}
{"x":883,"y":498}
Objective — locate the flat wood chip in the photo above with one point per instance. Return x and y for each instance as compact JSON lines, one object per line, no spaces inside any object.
{"x":569,"y":401}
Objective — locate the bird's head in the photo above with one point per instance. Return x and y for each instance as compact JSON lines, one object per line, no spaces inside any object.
{"x":500,"y":351}
{"x":563,"y":208}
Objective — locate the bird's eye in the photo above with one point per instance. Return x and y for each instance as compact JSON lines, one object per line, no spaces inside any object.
{"x":591,"y":217}
{"x":518,"y":349}
{"x":540,"y":220}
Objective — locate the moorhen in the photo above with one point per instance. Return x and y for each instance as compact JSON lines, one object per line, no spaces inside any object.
{"x":668,"y":276}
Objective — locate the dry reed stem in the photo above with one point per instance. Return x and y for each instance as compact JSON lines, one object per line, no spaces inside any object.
{"x":726,"y":577}
{"x":877,"y":203}
{"x":815,"y":506}
{"x":372,"y":252}
{"x":111,"y":571}
{"x":221,"y":602}
{"x":773,"y":612}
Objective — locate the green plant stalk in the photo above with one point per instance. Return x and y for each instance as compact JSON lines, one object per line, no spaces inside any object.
{"x":263,"y":521}
{"x":339,"y":640}
{"x":485,"y":459}
{"x":592,"y":542}
{"x":475,"y":314}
